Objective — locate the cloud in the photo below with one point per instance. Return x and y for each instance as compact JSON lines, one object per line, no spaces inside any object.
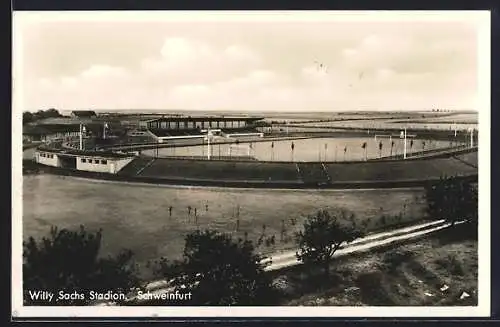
{"x":377,"y":70}
{"x":96,"y":72}
{"x":193,"y":61}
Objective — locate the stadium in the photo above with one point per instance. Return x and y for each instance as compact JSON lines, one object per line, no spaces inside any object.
{"x":244,"y":152}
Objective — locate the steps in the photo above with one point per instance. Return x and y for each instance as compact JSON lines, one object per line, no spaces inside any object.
{"x":135,"y":166}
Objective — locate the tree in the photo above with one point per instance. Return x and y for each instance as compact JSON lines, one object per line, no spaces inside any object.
{"x":27,"y":117}
{"x":69,"y":261}
{"x":40,"y":114}
{"x":52,"y":113}
{"x":452,"y":199}
{"x":323,"y":235}
{"x":220,"y":271}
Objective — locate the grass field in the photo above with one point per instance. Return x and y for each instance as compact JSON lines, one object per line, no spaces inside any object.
{"x":221,"y":170}
{"x":404,"y":275}
{"x":137,"y":216}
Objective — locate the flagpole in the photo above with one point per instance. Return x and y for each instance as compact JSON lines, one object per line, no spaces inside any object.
{"x":404,"y":148}
{"x":471,"y":137}
{"x":208,"y":144}
{"x":81,"y":138}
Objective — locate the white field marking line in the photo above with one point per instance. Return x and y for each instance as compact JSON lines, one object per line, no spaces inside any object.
{"x":363,"y":247}
{"x":291,"y":254}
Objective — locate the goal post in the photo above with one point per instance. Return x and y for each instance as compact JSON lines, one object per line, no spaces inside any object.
{"x":240,"y":150}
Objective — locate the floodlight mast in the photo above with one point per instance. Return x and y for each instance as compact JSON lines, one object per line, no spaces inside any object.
{"x":82,"y":130}
{"x":104,"y":130}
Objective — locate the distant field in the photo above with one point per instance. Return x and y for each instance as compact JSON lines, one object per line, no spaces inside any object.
{"x":353,"y":114}
{"x":137,"y":216}
{"x":410,"y":124}
{"x":466,"y":118}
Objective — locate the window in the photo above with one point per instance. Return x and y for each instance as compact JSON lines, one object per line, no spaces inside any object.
{"x":83,"y":160}
{"x":104,"y":162}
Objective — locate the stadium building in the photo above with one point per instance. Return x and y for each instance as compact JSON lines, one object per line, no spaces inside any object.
{"x":181,"y":126}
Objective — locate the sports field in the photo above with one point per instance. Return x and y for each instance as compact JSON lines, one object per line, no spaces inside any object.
{"x":312,"y":149}
{"x":137,"y":216}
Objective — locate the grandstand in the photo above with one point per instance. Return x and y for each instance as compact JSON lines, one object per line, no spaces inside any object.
{"x":188,"y":126}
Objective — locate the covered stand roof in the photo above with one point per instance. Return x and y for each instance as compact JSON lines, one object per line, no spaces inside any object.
{"x":205,"y":118}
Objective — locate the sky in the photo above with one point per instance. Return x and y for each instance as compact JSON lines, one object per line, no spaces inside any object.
{"x":279,"y":62}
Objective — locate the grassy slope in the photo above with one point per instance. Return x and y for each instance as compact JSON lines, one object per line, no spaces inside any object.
{"x":397,"y":276}
{"x":342,"y":172}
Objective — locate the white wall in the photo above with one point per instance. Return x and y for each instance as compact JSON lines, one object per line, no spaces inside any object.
{"x":92,"y":166}
{"x":46,"y":158}
{"x":111,"y":166}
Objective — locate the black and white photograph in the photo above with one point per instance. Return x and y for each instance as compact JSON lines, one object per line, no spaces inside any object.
{"x":238,"y":163}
